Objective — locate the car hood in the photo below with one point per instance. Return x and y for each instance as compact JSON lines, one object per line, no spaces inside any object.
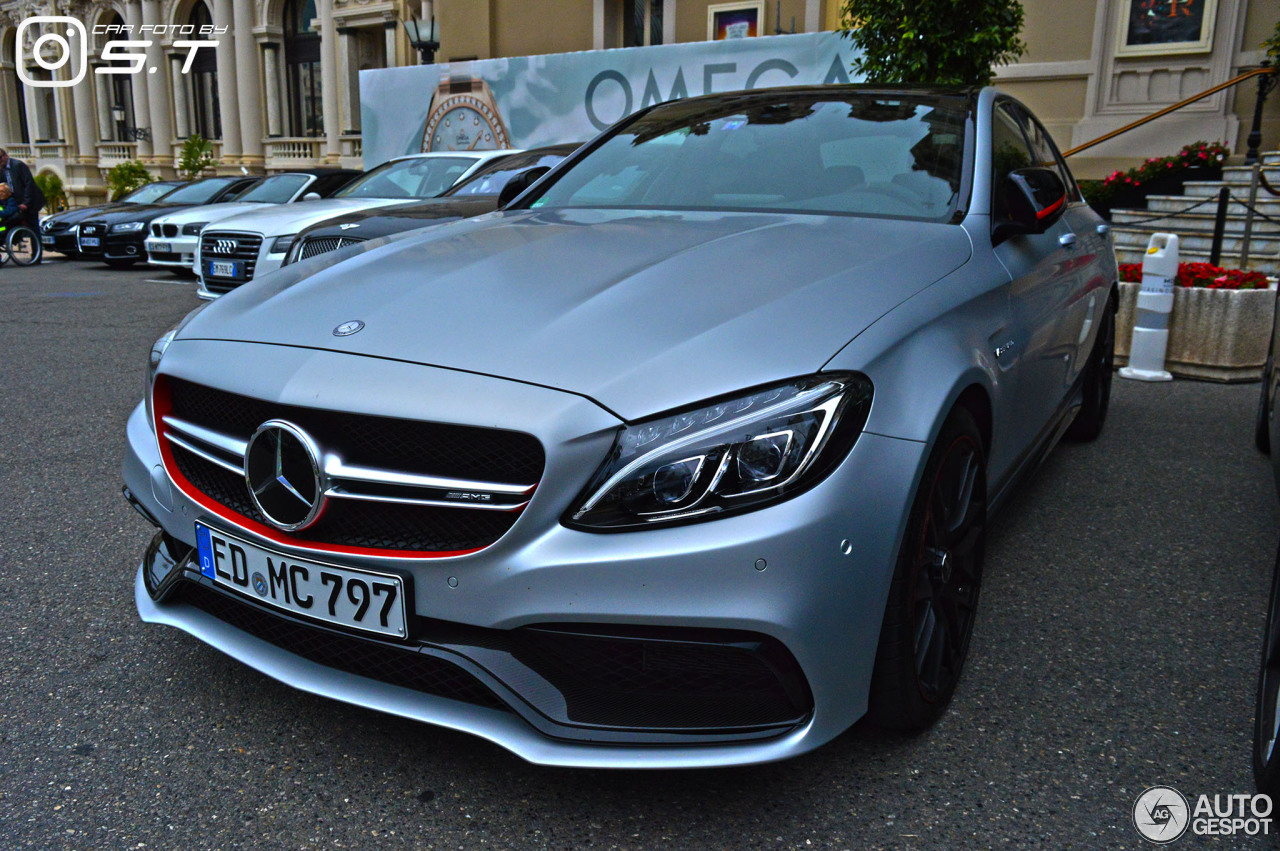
{"x":80,"y":214}
{"x":212,"y":212}
{"x":146,"y":212}
{"x":282,"y":219}
{"x":369,"y":224}
{"x":641,"y":311}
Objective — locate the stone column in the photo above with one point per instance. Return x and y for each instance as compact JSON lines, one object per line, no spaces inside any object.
{"x":392,"y":41}
{"x":271,"y":63}
{"x":10,"y":129}
{"x":181,"y":109}
{"x":33,"y":101}
{"x":141,"y":95}
{"x":157,"y":89}
{"x":106,"y":126}
{"x":250,"y":84}
{"x":346,"y":90}
{"x":82,"y":108}
{"x":228,"y":107}
{"x":329,"y":79}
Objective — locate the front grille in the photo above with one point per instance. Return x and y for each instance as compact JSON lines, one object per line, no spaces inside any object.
{"x":659,"y":678}
{"x":155,"y":230}
{"x":463,"y":452}
{"x":245,"y":249}
{"x":324,"y":244}
{"x":377,"y":660}
{"x":92,"y":229}
{"x":170,"y":230}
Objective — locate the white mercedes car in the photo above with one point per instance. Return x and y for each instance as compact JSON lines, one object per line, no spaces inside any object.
{"x":174,"y":238}
{"x":244,"y":246}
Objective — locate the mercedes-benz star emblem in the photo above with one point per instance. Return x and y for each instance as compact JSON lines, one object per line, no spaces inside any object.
{"x":346,"y":329}
{"x":283,"y":472}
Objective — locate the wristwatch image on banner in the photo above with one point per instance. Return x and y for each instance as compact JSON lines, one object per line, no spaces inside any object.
{"x":464,"y":116}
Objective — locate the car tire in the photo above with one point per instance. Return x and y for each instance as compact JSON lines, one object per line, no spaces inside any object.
{"x":1262,"y":420}
{"x":933,"y":598}
{"x":1266,"y":754}
{"x":1097,"y":380}
{"x":119,"y":264}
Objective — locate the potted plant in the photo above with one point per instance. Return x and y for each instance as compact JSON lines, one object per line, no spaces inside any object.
{"x":1157,"y":176}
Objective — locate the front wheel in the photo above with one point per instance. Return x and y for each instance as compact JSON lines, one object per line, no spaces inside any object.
{"x":1266,"y":716}
{"x":934,"y":594}
{"x":22,"y":245}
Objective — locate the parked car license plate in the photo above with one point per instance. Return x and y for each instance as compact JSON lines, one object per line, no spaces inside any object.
{"x":223,"y":269}
{"x":90,"y":241}
{"x":359,"y":599}
{"x":162,"y":247}
{"x":46,"y":239}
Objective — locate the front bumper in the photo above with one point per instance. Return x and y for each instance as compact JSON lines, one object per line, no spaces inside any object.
{"x":124,"y":246}
{"x":181,"y":253}
{"x":822,"y":606}
{"x":64,"y":241}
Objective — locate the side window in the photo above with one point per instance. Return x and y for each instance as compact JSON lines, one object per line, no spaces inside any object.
{"x":1009,"y":152}
{"x":1046,"y":153}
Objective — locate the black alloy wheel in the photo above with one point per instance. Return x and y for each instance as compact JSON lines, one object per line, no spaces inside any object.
{"x":934,"y":596}
{"x":1266,"y":716}
{"x":1097,"y":380}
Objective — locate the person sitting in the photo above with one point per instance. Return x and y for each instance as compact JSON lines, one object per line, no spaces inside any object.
{"x":10,"y":211}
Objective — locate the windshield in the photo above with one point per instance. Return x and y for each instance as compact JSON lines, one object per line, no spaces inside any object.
{"x":276,"y":190}
{"x":872,"y":154}
{"x":490,"y":179}
{"x":423,"y":177}
{"x":200,"y":192}
{"x":147,"y":194}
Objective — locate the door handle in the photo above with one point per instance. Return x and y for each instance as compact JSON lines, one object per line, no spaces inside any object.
{"x":1067,"y":240}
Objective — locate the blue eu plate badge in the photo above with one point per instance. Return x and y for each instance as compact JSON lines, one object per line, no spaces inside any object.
{"x":205,"y":546}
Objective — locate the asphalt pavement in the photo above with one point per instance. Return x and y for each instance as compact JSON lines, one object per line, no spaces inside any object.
{"x":1115,"y":649}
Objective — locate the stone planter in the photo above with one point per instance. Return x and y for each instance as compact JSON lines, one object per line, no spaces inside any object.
{"x":1214,"y":335}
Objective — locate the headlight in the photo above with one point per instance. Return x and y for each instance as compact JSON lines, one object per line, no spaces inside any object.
{"x":193,"y":229}
{"x":295,"y":251}
{"x":158,"y":349}
{"x":726,"y":457}
{"x":128,"y":227}
{"x":281,"y":244}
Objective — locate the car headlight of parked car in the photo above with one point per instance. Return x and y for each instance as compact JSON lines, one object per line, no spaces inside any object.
{"x":728,"y":456}
{"x":282,"y":243}
{"x":193,"y":229}
{"x":128,"y":227}
{"x":158,"y":349}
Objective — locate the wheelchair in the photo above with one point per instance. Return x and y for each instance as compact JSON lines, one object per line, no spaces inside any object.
{"x":21,"y":245}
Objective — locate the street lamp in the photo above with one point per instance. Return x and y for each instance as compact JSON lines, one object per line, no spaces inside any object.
{"x":424,"y":35}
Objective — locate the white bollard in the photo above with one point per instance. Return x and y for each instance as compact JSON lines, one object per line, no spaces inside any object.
{"x":1155,"y":303}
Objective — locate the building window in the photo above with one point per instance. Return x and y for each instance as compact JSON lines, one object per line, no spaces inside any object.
{"x":641,"y":22}
{"x":204,"y":81}
{"x":302,"y":68}
{"x":119,"y":91}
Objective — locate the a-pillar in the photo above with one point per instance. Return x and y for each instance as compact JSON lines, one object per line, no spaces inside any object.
{"x":141,"y":94}
{"x":249,"y":85}
{"x":228,"y":106}
{"x":157,"y":89}
{"x":271,"y":63}
{"x":181,"y":109}
{"x":329,"y":80}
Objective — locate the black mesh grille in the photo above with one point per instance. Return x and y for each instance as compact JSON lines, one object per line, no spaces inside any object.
{"x":668,"y":683}
{"x":325,"y":244}
{"x":403,"y":445}
{"x":376,"y":660}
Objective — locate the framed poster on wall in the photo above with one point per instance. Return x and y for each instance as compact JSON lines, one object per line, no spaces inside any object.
{"x":735,"y":20}
{"x":1148,"y":27}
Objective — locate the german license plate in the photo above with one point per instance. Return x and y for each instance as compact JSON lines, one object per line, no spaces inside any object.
{"x":224,"y":269}
{"x":162,"y":247}
{"x":46,"y":239}
{"x":90,"y":241}
{"x":359,"y":599}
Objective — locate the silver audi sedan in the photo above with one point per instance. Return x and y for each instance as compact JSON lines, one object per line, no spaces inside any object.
{"x":684,"y":458}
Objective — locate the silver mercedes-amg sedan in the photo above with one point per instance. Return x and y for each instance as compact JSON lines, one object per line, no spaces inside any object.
{"x":683,"y":458}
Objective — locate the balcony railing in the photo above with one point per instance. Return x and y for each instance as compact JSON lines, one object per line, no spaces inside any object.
{"x":114,"y":153}
{"x":22,"y":152}
{"x":295,"y":150}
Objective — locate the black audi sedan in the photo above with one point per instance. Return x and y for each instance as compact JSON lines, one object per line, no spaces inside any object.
{"x":58,"y":232}
{"x":477,"y":194}
{"x":116,"y":237}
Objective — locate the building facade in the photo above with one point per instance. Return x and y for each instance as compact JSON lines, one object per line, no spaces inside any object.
{"x":280,"y":87}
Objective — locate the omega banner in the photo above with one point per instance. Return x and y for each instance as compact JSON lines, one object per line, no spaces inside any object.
{"x":526,"y":101}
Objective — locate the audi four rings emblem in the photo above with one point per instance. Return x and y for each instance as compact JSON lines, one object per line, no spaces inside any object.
{"x":346,"y":329}
{"x":224,"y":246}
{"x":286,"y":481}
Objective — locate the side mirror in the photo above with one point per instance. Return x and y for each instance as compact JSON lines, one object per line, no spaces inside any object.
{"x":1028,"y":201}
{"x":520,"y":183}
{"x":311,"y":196}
